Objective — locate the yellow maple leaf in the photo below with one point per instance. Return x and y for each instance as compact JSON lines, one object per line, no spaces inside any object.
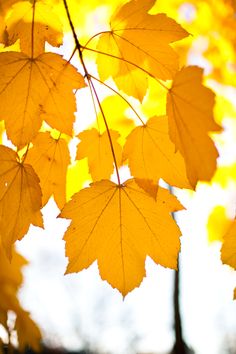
{"x":228,"y":249}
{"x":96,"y":147}
{"x":190,"y":113}
{"x":152,"y":155}
{"x":140,"y":40}
{"x":28,"y":333}
{"x":50,"y":159}
{"x":33,"y":23}
{"x":36,"y":89}
{"x":20,"y":198}
{"x":119,"y":226}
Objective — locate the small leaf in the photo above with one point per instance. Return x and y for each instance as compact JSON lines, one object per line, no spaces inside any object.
{"x":50,"y":159}
{"x":119,"y":226}
{"x":152,"y":155}
{"x":228,"y":249}
{"x":190,"y":113}
{"x":96,"y":147}
{"x":20,"y":198}
{"x":36,"y":89}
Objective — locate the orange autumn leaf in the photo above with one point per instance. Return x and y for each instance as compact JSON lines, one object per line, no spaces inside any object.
{"x":119,"y":226}
{"x":190,"y":113}
{"x":152,"y":155}
{"x":139,"y":40}
{"x":33,"y":23}
{"x":50,"y":159}
{"x":20,"y":198}
{"x":35,"y":89}
{"x":28,"y":333}
{"x":97,"y":149}
{"x":228,"y":249}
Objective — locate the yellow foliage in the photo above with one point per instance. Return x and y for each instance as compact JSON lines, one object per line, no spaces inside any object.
{"x":228,"y":249}
{"x":152,"y":155}
{"x":218,"y":223}
{"x":35,"y":89}
{"x":46,"y":27}
{"x":50,"y":159}
{"x":132,"y":34}
{"x":20,"y":198}
{"x":110,"y":235}
{"x":97,"y":148}
{"x":132,"y":51}
{"x":190,"y":113}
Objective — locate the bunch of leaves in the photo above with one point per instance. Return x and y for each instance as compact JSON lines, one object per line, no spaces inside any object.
{"x":116,"y":223}
{"x":11,"y":280}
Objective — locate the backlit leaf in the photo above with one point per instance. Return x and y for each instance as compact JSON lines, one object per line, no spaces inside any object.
{"x":142,"y":39}
{"x":33,"y":23}
{"x":190,"y":113}
{"x":152,"y":155}
{"x":50,"y":159}
{"x":36,"y":89}
{"x":20,"y":198}
{"x":119,"y":226}
{"x":96,"y":147}
{"x":228,"y":249}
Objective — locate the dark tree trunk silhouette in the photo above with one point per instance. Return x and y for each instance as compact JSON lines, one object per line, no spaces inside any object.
{"x":180,"y":347}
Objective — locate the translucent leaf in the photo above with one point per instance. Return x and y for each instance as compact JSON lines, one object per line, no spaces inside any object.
{"x":190,"y":113}
{"x":228,"y":249}
{"x":50,"y":159}
{"x":36,"y":89}
{"x":152,"y":155}
{"x":20,"y":198}
{"x":96,"y":147}
{"x":138,"y":39}
{"x":33,"y":23}
{"x":119,"y":226}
